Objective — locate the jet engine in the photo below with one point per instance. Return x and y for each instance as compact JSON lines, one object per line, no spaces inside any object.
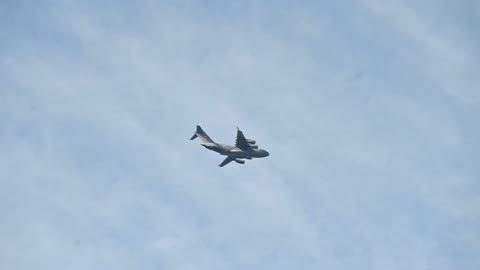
{"x":250,"y":141}
{"x":239,"y":161}
{"x":254,"y":146}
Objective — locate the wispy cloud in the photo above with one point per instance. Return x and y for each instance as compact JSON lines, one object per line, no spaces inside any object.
{"x":444,"y":54}
{"x":370,"y":160}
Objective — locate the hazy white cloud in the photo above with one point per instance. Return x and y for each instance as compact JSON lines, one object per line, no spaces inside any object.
{"x":444,"y":52}
{"x":370,"y":160}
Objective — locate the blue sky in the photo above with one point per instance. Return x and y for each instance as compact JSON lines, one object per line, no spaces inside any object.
{"x":368,"y":108}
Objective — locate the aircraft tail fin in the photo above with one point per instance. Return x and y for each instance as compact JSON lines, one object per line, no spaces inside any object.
{"x":202,"y":134}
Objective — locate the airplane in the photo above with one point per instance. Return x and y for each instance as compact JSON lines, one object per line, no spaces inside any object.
{"x":243,"y":149}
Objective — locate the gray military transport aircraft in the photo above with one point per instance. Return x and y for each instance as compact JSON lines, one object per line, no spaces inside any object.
{"x":243,"y":149}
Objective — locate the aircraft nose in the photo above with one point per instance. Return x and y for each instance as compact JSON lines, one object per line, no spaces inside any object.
{"x":267,"y":153}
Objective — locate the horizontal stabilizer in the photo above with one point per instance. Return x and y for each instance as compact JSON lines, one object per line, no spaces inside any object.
{"x":202,"y":134}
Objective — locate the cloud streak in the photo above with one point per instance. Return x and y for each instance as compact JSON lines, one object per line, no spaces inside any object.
{"x":99,"y":100}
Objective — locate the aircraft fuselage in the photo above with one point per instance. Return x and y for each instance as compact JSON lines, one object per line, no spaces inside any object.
{"x":235,"y":152}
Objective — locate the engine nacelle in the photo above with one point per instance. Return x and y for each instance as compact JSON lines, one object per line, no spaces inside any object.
{"x":250,"y":141}
{"x":254,"y":146}
{"x":239,"y":161}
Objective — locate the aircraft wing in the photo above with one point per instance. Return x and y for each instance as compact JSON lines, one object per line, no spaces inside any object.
{"x":241,"y":141}
{"x":226,"y":161}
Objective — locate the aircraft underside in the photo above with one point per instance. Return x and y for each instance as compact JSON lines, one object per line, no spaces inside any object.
{"x":243,"y":148}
